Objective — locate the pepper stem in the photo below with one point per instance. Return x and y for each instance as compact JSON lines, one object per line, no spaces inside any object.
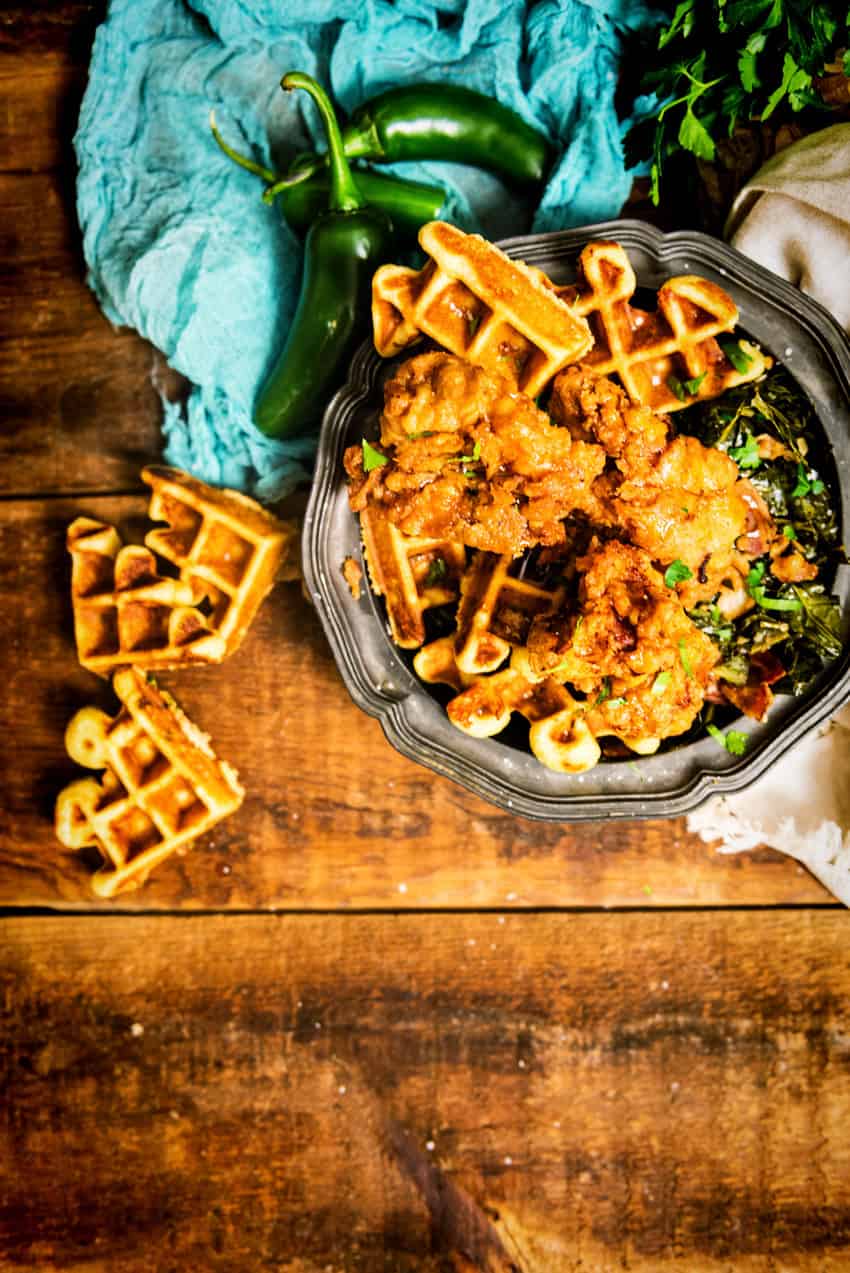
{"x":344,"y":194}
{"x":242,"y":160}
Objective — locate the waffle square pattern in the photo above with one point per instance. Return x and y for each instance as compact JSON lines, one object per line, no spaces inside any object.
{"x":225,"y":551}
{"x":162,"y":785}
{"x":478,"y":303}
{"x":668,"y":358}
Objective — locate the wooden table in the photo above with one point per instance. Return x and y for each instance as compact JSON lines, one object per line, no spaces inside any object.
{"x":371,"y":1023}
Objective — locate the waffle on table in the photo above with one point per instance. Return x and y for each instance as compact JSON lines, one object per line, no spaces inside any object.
{"x":649,"y":352}
{"x":162,"y":785}
{"x":227,"y":551}
{"x":478,"y":303}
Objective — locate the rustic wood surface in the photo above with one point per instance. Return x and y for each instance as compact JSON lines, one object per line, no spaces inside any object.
{"x":651,"y":1079}
{"x":334,"y":817}
{"x":498,"y":1094}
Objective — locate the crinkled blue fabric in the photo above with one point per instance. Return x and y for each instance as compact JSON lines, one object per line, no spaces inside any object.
{"x":178,"y":242}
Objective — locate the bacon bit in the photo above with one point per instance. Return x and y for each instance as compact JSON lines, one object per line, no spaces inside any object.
{"x":752,"y":700}
{"x":771,"y":448}
{"x":761,"y":528}
{"x":767,"y":666}
{"x":733,"y":602}
{"x":352,"y":574}
{"x":792,"y":567}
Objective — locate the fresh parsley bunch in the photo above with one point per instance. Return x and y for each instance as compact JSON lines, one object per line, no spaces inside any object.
{"x":719,"y":62}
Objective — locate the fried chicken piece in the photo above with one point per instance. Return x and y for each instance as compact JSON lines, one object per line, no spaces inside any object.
{"x":630,"y":647}
{"x":472,"y":459}
{"x":595,"y":409}
{"x":689,"y":507}
{"x":676,"y":498}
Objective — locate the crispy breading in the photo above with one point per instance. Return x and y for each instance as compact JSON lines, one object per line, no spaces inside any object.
{"x":471,"y":458}
{"x":629,"y":646}
{"x":678,"y":499}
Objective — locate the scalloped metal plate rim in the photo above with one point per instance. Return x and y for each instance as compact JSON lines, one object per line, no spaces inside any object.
{"x":672,"y":782}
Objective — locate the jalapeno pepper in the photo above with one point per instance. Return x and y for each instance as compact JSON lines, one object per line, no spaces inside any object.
{"x":409,"y":204}
{"x":343,"y":247}
{"x":443,"y":121}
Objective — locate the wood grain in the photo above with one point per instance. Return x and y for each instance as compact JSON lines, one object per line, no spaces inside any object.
{"x":539,"y":1094}
{"x":334,"y":817}
{"x":78,"y":399}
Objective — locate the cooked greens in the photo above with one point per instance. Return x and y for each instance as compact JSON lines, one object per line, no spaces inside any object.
{"x":770,"y":429}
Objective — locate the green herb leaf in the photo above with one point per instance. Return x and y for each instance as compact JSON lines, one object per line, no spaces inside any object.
{"x":756,"y":590}
{"x":746,"y":456}
{"x":677,"y":572}
{"x":803,"y":484}
{"x":735,"y":741}
{"x":693,"y":386}
{"x":738,"y":357}
{"x":694,"y":136}
{"x":437,"y":571}
{"x":617,"y":702}
{"x":604,"y":692}
{"x":675,"y":386}
{"x":685,"y":658}
{"x":474,"y":457}
{"x":794,"y":79}
{"x":661,"y":682}
{"x":682,"y":23}
{"x":775,"y":603}
{"x":747,"y":60}
{"x":372,"y":459}
{"x":789,"y":532}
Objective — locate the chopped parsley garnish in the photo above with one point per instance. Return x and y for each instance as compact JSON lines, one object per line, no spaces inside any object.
{"x":661,"y":682}
{"x":685,"y":658}
{"x":421,"y":433}
{"x":676,"y":387}
{"x":756,"y":590}
{"x":617,"y":702}
{"x":604,"y":692}
{"x":693,"y":386}
{"x":474,"y":457}
{"x":738,"y":357}
{"x":806,"y":483}
{"x":437,"y":571}
{"x":735,"y":741}
{"x":677,"y":572}
{"x":372,"y":459}
{"x":746,"y":456}
{"x":789,"y":532}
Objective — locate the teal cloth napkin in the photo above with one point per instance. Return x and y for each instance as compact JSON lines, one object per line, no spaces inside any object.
{"x":178,"y":242}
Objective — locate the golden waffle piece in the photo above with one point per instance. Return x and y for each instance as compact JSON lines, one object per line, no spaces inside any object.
{"x":495,"y":612}
{"x":558,"y":736}
{"x":412,"y":573}
{"x":125,"y":611}
{"x":228,"y":551}
{"x":226,"y":545}
{"x":477,"y":302}
{"x":162,"y":785}
{"x":649,"y":352}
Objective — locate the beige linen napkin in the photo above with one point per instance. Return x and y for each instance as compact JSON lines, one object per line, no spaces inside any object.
{"x":794,"y":218}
